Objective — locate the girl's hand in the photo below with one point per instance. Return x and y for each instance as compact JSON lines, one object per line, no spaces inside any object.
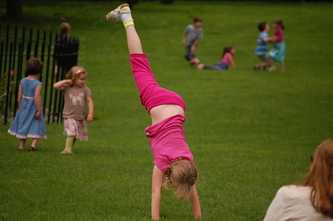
{"x":37,"y":115}
{"x":69,"y":81}
{"x":90,"y":118}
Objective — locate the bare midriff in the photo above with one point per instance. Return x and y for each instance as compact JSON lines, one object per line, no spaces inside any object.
{"x":164,"y":111}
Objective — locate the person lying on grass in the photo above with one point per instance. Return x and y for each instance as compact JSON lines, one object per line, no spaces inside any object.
{"x":227,"y":59}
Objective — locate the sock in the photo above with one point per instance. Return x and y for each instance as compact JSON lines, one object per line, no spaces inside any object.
{"x":69,"y":143}
{"x":126,"y":18}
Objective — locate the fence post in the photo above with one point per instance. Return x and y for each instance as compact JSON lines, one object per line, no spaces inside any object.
{"x":16,"y":47}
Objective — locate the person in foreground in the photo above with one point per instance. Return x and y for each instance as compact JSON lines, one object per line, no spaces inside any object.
{"x":314,"y":199}
{"x":29,"y":120}
{"x":76,"y":95}
{"x":172,"y":156}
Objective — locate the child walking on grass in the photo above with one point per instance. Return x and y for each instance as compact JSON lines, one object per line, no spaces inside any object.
{"x":278,"y":52}
{"x":29,"y":120}
{"x":172,"y":156}
{"x":76,"y":95}
{"x":192,"y":35}
{"x":227,"y":59}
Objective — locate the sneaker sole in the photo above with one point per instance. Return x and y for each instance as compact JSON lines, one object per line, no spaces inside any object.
{"x":120,"y":6}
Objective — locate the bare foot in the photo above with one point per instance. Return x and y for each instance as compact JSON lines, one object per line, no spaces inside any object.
{"x":66,"y":152}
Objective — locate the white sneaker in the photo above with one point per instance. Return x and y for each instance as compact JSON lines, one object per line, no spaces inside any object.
{"x":116,"y":13}
{"x":271,"y":69}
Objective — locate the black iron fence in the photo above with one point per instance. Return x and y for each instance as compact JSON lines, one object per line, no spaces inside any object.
{"x":58,"y":53}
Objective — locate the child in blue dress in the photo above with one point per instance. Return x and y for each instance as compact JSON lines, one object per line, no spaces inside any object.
{"x":29,"y":120}
{"x":278,"y":52}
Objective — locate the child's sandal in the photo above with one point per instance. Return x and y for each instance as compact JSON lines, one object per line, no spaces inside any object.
{"x":66,"y":152}
{"x":32,"y":149}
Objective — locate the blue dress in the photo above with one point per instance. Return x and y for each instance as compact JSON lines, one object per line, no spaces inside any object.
{"x":25,"y":124}
{"x":278,"y":52}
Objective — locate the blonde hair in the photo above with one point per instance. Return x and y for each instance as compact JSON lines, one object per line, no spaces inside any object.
{"x":75,"y":72}
{"x":65,"y":28}
{"x":320,"y":179}
{"x":185,"y":174}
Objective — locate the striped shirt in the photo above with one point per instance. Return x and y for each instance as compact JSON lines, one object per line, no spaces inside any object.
{"x":261,"y":48}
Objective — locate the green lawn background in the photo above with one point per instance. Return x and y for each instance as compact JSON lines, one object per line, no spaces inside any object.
{"x":250,"y":131}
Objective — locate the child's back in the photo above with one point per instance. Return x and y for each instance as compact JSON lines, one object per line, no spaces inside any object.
{"x":25,"y":124}
{"x":29,"y":120}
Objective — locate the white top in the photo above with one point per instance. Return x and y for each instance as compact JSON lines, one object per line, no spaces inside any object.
{"x":293,"y":203}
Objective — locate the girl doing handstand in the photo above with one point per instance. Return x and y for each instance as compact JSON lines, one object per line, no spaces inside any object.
{"x":172,"y":156}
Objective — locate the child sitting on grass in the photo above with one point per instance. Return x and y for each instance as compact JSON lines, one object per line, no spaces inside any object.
{"x":76,"y":95}
{"x":226,"y":60}
{"x":172,"y":156}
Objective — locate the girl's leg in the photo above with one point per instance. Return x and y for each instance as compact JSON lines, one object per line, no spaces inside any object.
{"x":282,"y":66}
{"x":34,"y":142}
{"x":202,"y":66}
{"x":150,"y":93}
{"x":133,"y":40}
{"x":272,"y":68}
{"x":22,"y":142}
{"x":69,"y":145}
{"x":123,"y":13}
{"x":142,"y":74}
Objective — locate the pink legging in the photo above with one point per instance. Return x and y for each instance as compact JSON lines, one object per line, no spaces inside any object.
{"x":151,"y":94}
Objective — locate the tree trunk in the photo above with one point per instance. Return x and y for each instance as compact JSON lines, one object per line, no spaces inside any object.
{"x":14,"y":10}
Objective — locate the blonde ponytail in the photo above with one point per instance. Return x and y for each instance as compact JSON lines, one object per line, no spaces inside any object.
{"x":184,"y":174}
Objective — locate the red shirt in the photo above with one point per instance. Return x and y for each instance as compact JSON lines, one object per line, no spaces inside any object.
{"x":279,"y":34}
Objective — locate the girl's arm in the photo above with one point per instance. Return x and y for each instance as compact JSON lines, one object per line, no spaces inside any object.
{"x":195,"y":203}
{"x":90,"y":116}
{"x":265,"y":39}
{"x":60,"y":85}
{"x":19,"y":97}
{"x":157,"y":180}
{"x":232,"y":63}
{"x":270,"y":39}
{"x":37,"y":101}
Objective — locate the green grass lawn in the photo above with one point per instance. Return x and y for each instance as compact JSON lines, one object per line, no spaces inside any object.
{"x":250,"y":131}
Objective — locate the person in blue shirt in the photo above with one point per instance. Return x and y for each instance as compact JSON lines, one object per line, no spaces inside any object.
{"x":261,"y":48}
